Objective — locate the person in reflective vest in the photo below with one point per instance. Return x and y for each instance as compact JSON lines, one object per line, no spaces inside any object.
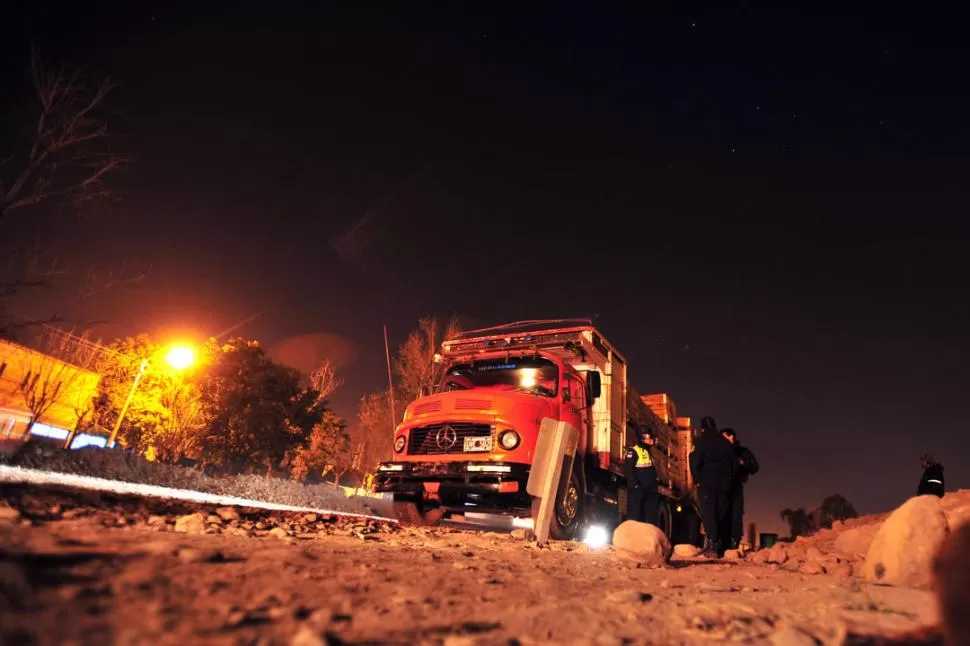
{"x":931,"y":484}
{"x":643,"y":499}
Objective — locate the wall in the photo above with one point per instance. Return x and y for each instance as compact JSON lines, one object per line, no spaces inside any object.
{"x":72,"y":385}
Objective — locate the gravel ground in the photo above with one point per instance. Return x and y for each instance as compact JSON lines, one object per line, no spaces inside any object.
{"x":78,"y":567}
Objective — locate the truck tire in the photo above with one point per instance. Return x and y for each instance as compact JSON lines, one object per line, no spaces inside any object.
{"x":568,"y":515}
{"x":409,"y":512}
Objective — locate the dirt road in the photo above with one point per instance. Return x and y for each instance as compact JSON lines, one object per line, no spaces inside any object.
{"x":83,"y":568}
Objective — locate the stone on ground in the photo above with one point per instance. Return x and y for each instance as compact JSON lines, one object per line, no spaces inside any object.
{"x":903,"y":549}
{"x":812,"y":567}
{"x":777,"y":554}
{"x":687,"y":551}
{"x":191,"y":524}
{"x":641,"y":542}
{"x":227,"y":513}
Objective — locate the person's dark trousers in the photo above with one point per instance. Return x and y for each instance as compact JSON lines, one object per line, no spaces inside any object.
{"x":714,"y":510}
{"x":634,"y":504}
{"x":737,"y":514}
{"x":650,"y":506}
{"x":643,"y":505}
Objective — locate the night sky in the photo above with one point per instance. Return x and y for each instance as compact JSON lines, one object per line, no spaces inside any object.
{"x":765,"y":210}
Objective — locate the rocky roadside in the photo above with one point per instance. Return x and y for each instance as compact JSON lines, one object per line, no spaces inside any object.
{"x":118,"y":465}
{"x":83,"y":568}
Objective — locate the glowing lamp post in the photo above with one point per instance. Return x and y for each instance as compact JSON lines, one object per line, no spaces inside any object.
{"x":179,"y":357}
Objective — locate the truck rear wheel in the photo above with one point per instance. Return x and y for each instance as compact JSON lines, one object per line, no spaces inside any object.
{"x":410,"y":512}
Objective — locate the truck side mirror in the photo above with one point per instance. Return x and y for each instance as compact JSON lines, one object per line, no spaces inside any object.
{"x":593,"y":386}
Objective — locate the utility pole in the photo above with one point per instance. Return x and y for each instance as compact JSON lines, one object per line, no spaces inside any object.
{"x":390,"y":380}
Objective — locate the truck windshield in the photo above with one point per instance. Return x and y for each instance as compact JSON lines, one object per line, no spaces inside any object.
{"x":534,"y":375}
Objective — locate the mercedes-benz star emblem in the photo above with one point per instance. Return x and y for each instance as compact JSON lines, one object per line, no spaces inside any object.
{"x":446,"y":437}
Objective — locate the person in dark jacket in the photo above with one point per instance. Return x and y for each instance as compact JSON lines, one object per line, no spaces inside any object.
{"x":643,"y":499}
{"x":712,"y":467}
{"x":745,"y":465}
{"x":931,"y":484}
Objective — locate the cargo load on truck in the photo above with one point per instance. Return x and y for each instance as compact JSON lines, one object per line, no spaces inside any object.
{"x":469,"y":445}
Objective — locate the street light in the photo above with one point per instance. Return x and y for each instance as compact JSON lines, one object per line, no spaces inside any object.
{"x":178,"y":357}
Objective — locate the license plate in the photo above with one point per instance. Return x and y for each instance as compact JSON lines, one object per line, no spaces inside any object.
{"x":478,"y":444}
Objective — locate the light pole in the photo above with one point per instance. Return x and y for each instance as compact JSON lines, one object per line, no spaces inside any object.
{"x":178,"y":357}
{"x":124,"y":409}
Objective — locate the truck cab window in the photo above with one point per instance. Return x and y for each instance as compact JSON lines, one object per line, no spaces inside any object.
{"x":533,"y":375}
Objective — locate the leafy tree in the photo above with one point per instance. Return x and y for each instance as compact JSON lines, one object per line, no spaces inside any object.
{"x":259,"y":412}
{"x":799,"y":521}
{"x":325,"y":450}
{"x":834,"y":508}
{"x":187,"y":421}
{"x":147,"y":414}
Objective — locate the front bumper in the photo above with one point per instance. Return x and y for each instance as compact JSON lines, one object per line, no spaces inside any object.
{"x":459,"y":485}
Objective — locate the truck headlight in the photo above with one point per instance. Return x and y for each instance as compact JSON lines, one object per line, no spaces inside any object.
{"x":508,"y":440}
{"x":399,"y":443}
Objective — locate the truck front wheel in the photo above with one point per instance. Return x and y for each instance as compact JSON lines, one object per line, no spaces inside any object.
{"x":410,"y":512}
{"x":568,"y":513}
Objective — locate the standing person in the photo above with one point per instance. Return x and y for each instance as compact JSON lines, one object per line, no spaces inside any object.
{"x":712,"y":467}
{"x":931,"y":484}
{"x":745,"y":465}
{"x":643,"y":500}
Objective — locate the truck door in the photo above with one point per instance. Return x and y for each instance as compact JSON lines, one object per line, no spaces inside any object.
{"x":574,"y":409}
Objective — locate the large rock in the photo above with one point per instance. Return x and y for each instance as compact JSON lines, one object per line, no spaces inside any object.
{"x":855,"y":542}
{"x":903,"y":549}
{"x":952,"y":582}
{"x":641,"y":542}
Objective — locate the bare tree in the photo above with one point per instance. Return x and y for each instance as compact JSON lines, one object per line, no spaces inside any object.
{"x":67,"y":156}
{"x":325,"y":381}
{"x":415,"y":365}
{"x":81,"y":403}
{"x":64,"y":160}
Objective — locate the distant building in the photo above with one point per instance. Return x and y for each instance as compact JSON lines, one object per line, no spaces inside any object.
{"x":33,"y":381}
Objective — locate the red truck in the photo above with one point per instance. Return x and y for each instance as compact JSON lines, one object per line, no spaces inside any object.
{"x":468,"y":446}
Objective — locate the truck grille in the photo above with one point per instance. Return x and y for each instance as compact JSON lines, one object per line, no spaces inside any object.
{"x":439,"y":439}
